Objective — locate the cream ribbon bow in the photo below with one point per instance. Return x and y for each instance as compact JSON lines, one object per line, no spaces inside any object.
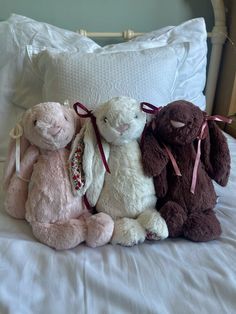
{"x":16,"y":134}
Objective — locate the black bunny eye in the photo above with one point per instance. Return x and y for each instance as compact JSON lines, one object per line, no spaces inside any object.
{"x":136,"y":116}
{"x":35,"y":122}
{"x":66,"y":118}
{"x":105,"y":119}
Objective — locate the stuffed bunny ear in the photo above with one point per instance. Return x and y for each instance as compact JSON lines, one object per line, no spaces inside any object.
{"x":92,"y":165}
{"x":81,"y":156}
{"x":17,"y":147}
{"x":215,"y":154}
{"x":154,"y":158}
{"x":78,"y":121}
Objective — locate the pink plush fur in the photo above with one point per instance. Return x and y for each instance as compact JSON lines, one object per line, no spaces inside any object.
{"x":41,"y":192}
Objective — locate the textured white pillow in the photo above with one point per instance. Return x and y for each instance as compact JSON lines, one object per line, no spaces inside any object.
{"x":106,"y":71}
{"x":147,"y":75}
{"x":192,"y":73}
{"x":191,"y":78}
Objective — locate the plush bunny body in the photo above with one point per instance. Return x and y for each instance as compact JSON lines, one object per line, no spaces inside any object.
{"x":50,"y":184}
{"x":125,"y":180}
{"x":126,"y":194}
{"x":41,"y":192}
{"x":187,"y":213}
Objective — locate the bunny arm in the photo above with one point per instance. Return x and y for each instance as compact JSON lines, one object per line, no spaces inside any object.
{"x":215,"y":154}
{"x":153,"y":157}
{"x":17,"y":191}
{"x":98,"y":175}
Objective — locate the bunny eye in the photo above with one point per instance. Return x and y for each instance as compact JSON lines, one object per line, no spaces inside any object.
{"x":136,"y":116}
{"x":35,"y":122}
{"x":105,"y":119}
{"x":66,"y":118}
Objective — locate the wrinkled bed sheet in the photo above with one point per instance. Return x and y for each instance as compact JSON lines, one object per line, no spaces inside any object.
{"x":172,"y":276}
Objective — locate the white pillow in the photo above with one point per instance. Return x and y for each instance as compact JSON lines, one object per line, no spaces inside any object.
{"x":20,"y":76}
{"x":110,"y":71}
{"x":93,"y":78}
{"x":192,"y":73}
{"x":16,"y":79}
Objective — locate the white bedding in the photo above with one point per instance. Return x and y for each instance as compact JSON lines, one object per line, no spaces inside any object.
{"x":172,"y":276}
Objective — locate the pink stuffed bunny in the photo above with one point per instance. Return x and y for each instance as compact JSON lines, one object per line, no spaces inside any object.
{"x":38,"y":187}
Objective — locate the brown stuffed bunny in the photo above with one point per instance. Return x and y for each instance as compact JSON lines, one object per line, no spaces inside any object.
{"x":183,"y":149}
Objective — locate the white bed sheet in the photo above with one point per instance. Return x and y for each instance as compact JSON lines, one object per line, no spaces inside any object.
{"x":172,"y":276}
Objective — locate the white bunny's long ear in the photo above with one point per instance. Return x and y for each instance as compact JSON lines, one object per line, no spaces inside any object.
{"x":98,"y":170}
{"x":80,"y":160}
{"x":17,"y":147}
{"x":92,"y":165}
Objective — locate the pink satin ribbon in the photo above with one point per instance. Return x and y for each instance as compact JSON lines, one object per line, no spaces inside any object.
{"x":173,"y":161}
{"x":89,"y":114}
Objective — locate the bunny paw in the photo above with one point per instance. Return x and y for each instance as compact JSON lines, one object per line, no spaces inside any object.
{"x":154,"y":224}
{"x":99,"y":229}
{"x":128,"y":232}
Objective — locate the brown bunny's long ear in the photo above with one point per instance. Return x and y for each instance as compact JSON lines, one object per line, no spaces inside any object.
{"x":17,"y":139}
{"x":215,"y":154}
{"x":154,"y":158}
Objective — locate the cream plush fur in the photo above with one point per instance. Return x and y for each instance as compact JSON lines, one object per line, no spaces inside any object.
{"x":126,"y":194}
{"x":41,"y":192}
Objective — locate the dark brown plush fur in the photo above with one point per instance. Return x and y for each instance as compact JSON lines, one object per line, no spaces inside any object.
{"x":186,"y":214}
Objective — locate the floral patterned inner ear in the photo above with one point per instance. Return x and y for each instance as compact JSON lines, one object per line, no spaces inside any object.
{"x":76,"y":168}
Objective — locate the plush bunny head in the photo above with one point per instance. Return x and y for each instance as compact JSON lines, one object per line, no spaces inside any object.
{"x":120,"y":120}
{"x":49,"y":125}
{"x":179,"y":122}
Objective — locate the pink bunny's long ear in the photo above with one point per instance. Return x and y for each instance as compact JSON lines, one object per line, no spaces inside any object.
{"x":17,"y":147}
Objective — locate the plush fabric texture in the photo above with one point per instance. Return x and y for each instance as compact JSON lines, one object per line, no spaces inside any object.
{"x":41,"y":192}
{"x":178,"y":125}
{"x":126,"y":194}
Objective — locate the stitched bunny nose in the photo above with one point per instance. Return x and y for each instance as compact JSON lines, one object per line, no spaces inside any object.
{"x":177,"y":124}
{"x":54,"y":130}
{"x":123,"y":127}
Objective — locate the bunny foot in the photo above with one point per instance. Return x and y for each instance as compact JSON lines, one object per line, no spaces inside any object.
{"x":202,"y":227}
{"x":154,"y":224}
{"x":60,"y":235}
{"x":128,"y":232}
{"x":100,"y":228}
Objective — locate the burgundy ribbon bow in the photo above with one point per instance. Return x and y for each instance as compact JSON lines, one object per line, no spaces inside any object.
{"x":200,"y":138}
{"x":153,"y":109}
{"x":89,"y":114}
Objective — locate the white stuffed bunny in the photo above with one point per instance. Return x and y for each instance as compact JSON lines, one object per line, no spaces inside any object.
{"x":40,"y":189}
{"x":125,"y":193}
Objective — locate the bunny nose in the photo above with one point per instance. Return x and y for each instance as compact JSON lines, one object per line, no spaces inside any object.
{"x":177,"y":124}
{"x":123,"y":127}
{"x":54,"y":130}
